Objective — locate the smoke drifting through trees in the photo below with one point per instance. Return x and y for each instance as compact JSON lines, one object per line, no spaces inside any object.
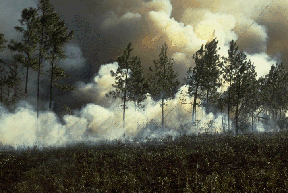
{"x":108,"y":113}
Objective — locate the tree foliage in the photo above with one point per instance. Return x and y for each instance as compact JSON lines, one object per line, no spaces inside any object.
{"x":3,"y":41}
{"x":274,"y":92}
{"x":28,"y":46}
{"x":130,"y":84}
{"x":57,"y":32}
{"x":211,"y":72}
{"x":138,"y":86}
{"x":204,"y":78}
{"x":163,"y":81}
{"x":241,"y":77}
{"x":14,"y":80}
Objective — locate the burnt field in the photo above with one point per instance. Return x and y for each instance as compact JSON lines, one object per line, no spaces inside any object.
{"x":204,"y":163}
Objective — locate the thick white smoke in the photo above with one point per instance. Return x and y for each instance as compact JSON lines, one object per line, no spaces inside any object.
{"x":96,"y":122}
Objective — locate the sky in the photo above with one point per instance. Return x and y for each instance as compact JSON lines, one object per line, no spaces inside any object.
{"x":103,"y":28}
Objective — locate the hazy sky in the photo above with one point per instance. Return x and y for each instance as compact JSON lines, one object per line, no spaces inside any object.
{"x":103,"y":28}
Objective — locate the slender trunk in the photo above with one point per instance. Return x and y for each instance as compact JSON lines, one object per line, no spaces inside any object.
{"x":252,"y":120}
{"x":39,"y":66}
{"x":281,"y":124}
{"x":26,"y":89}
{"x":1,"y":93}
{"x":237,"y":108}
{"x":135,"y":105}
{"x":163,"y":89}
{"x":38,"y":86}
{"x":207,"y":108}
{"x":194,"y":104}
{"x":236,"y":118}
{"x":124,"y":107}
{"x":222,"y":119}
{"x":162,"y":113}
{"x":14,"y":98}
{"x":228,"y":110}
{"x":8,"y":99}
{"x":1,"y":88}
{"x":51,"y":81}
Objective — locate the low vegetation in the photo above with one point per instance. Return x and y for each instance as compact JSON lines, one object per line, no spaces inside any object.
{"x":218,"y":163}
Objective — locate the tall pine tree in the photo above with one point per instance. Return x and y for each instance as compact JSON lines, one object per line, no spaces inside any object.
{"x":121,"y":78}
{"x":46,"y":26}
{"x":274,"y":92}
{"x":2,"y":66}
{"x":14,"y":81}
{"x":211,"y":71}
{"x":163,"y":81}
{"x":241,"y":77}
{"x":42,"y":23}
{"x":57,"y":38}
{"x":28,"y":46}
{"x":229,"y":73}
{"x":195,"y":79}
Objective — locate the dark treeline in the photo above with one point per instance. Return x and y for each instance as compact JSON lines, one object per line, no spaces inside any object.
{"x":246,"y":99}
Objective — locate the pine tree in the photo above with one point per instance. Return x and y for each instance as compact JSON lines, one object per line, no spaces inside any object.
{"x":121,"y":78}
{"x":2,"y":42}
{"x":274,"y":92}
{"x":228,"y":74}
{"x":211,"y":71}
{"x":14,"y":81}
{"x":44,"y":25}
{"x":251,"y":102}
{"x":59,"y":74}
{"x":57,"y":38}
{"x":221,"y":104}
{"x":138,"y":86}
{"x":194,"y":79}
{"x":164,"y":79}
{"x":248,"y":89}
{"x":240,"y":75}
{"x":28,"y":46}
{"x":41,"y":27}
{"x":2,"y":65}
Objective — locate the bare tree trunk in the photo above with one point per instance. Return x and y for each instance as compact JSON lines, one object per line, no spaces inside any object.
{"x":252,"y":120}
{"x":222,"y":119}
{"x":194,"y":104}
{"x":229,"y":107}
{"x":124,"y":107}
{"x":51,"y":81}
{"x":39,"y":68}
{"x":237,"y":108}
{"x":26,"y":89}
{"x":162,"y":113}
{"x":1,"y":92}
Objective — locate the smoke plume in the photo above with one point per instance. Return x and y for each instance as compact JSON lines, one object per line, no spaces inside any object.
{"x":102,"y":31}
